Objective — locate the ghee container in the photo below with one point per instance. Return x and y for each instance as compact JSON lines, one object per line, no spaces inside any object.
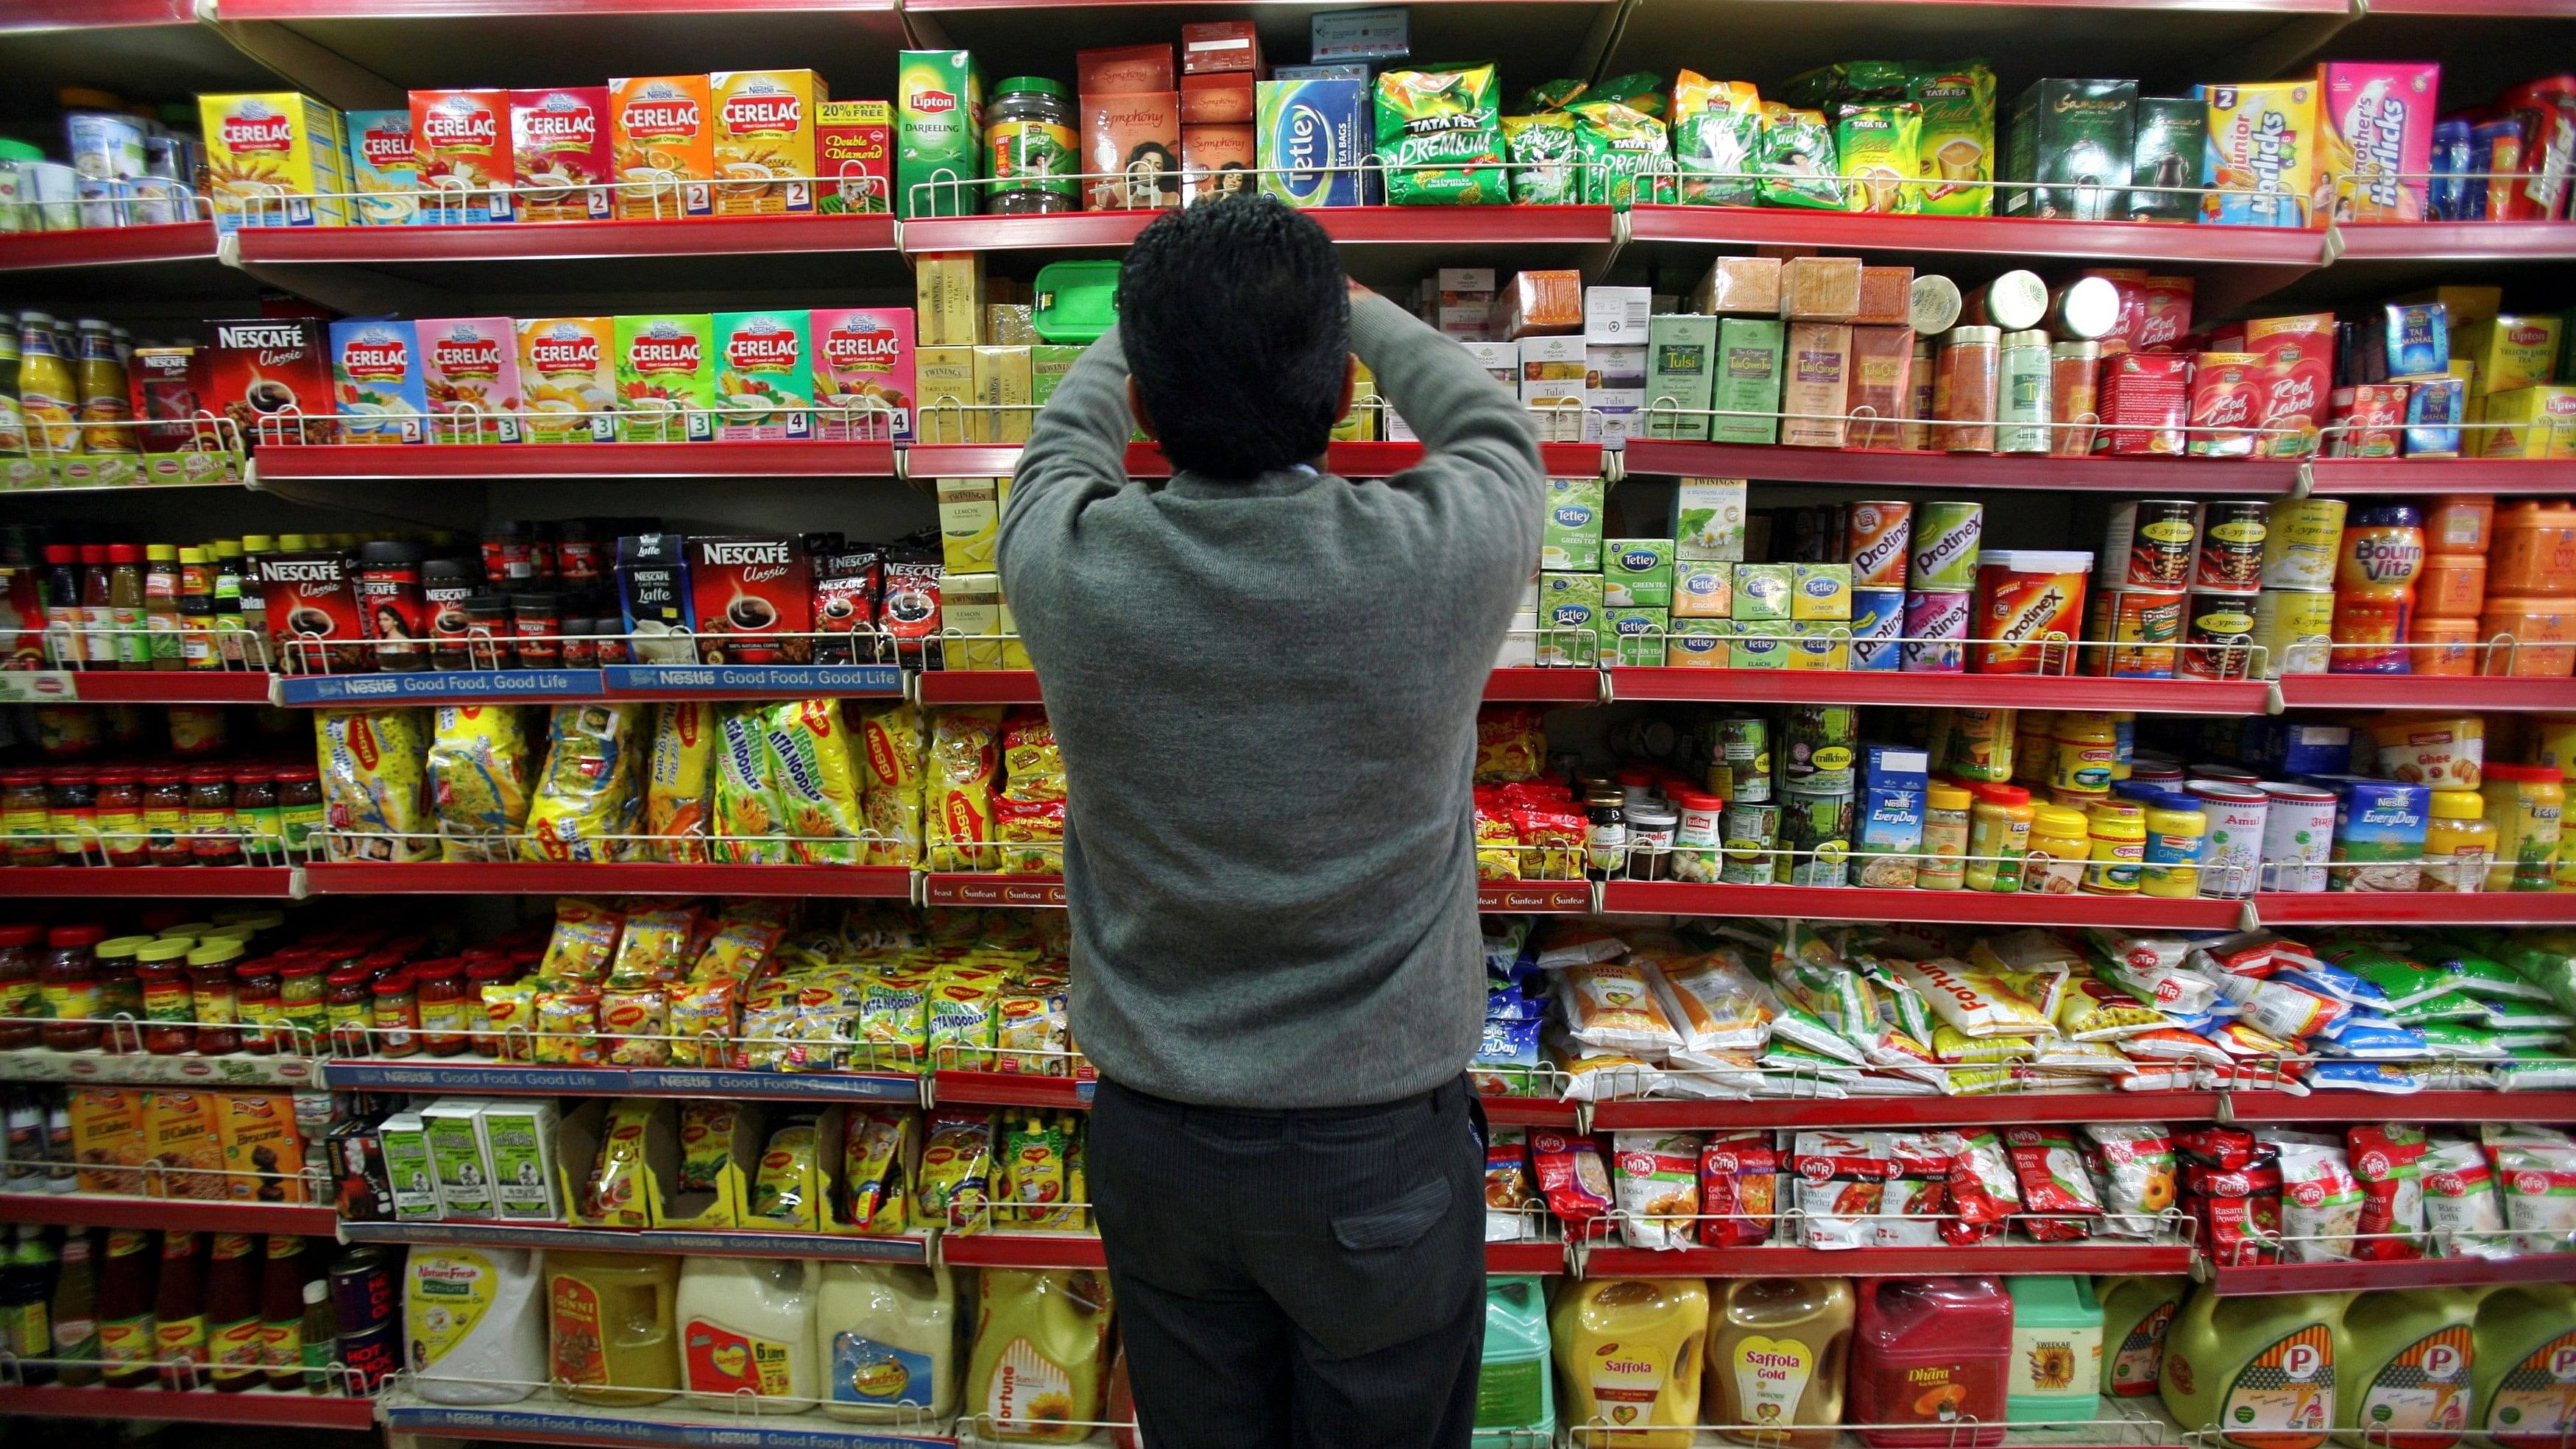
{"x":2119,"y":831}
{"x":2176,"y":828}
{"x":2258,"y":1372}
{"x":1775,"y":1356}
{"x":2459,"y":842}
{"x":2405,"y":1360}
{"x":1628,"y":1352}
{"x":2523,"y":803}
{"x":2059,"y":847}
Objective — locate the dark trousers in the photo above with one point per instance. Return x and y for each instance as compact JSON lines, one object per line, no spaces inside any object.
{"x":1296,"y":1278}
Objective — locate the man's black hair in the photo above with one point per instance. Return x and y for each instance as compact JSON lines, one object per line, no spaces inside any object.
{"x":1236,"y":319}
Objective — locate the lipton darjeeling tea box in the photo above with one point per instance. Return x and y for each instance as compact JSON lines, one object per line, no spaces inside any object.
{"x":568,"y":378}
{"x":764,"y":141}
{"x":662,"y":145}
{"x":274,"y":159}
{"x":863,"y":385}
{"x":2264,"y":153}
{"x":764,"y":377}
{"x":470,"y":372}
{"x":382,"y":169}
{"x":461,"y":140}
{"x":939,"y":133}
{"x":854,"y":156}
{"x":559,"y":143}
{"x":666,"y":384}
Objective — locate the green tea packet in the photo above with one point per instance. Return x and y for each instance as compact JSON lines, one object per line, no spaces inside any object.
{"x":1717,"y":131}
{"x":1440,"y":133}
{"x":1553,"y":95}
{"x":1638,"y":90}
{"x":1625,"y":156}
{"x":1796,"y":159}
{"x":1845,"y":83}
{"x":1874,"y":146}
{"x":1542,"y":152}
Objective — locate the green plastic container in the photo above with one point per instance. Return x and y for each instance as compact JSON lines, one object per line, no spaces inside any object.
{"x":1076,"y":301}
{"x":2136,"y":1313}
{"x":1515,"y":1392}
{"x":2258,"y":1373}
{"x":2056,"y":1369}
{"x":2526,"y":1354}
{"x":2402,"y":1368}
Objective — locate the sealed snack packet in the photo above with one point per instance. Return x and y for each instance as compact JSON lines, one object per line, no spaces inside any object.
{"x":655,"y":944}
{"x":962,"y":1020}
{"x":635,"y":1023}
{"x":876,"y":1154}
{"x":374,"y":766}
{"x":1985,"y":1191}
{"x":963,"y":760}
{"x":584,"y":941}
{"x":1797,"y":161}
{"x":1498,"y":855}
{"x":749,"y":816}
{"x":890,"y":740}
{"x":1612,"y":1006}
{"x":1717,"y":136}
{"x":1549,"y":97}
{"x":706,"y":1143}
{"x":2461,"y":1209}
{"x":1029,"y":1031}
{"x":1513,"y":1211}
{"x":1739,"y":1177}
{"x":818,"y":783}
{"x":1031,"y":836}
{"x":679,"y":786}
{"x":2135,"y":1167}
{"x":1542,"y":156}
{"x":2320,"y":1200}
{"x":1511,"y":743}
{"x":567,"y":1027}
{"x":1573,"y":1179}
{"x":1916,"y":1203}
{"x":1841,"y":1185}
{"x":956,"y":1170}
{"x":1641,"y":91}
{"x":1955,"y":153}
{"x":2388,"y":1160}
{"x":509,"y":1014}
{"x":788,"y":1190}
{"x":1032,"y":765}
{"x":614,"y":1194}
{"x":703,"y":1020}
{"x":478,"y":766}
{"x":1655,"y":1179}
{"x":1036,"y":1176}
{"x":590,"y":792}
{"x":1440,"y":135}
{"x":2055,"y":1192}
{"x":2535,"y":1173}
{"x":1624,"y":157}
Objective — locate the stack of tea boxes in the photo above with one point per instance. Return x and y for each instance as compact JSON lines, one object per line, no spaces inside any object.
{"x":1687,"y":600}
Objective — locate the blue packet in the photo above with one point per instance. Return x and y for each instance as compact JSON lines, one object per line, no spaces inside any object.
{"x":2362,"y":1077}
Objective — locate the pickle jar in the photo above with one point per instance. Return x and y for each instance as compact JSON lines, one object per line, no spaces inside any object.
{"x":22,"y":996}
{"x":263,"y":1009}
{"x":348,"y":1008}
{"x":212,"y":833}
{"x":169,"y":1003}
{"x":396,"y":1014}
{"x":165,"y":816}
{"x":68,"y":988}
{"x":120,"y":815}
{"x":446,"y":1030}
{"x":120,"y":990}
{"x":300,"y":991}
{"x":255,"y":814}
{"x":299,"y":807}
{"x":71,"y":811}
{"x":213,"y":992}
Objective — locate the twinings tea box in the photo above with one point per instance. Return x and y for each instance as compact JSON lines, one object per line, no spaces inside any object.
{"x":568,"y":378}
{"x":863,"y":386}
{"x":1002,"y":390}
{"x":854,"y":156}
{"x":382,"y":169}
{"x":752,"y":599}
{"x":939,"y":132}
{"x":764,"y":141}
{"x":945,"y":380}
{"x":271,"y":376}
{"x":470,"y":375}
{"x":273,"y":159}
{"x":948,"y":296}
{"x":666,"y":378}
{"x":764,"y":377}
{"x":559,"y":144}
{"x":970,"y":516}
{"x":462,"y":142}
{"x":662,"y":145}
{"x":378,"y":387}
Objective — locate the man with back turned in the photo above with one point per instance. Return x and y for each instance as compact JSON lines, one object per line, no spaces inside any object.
{"x":1264,"y":680}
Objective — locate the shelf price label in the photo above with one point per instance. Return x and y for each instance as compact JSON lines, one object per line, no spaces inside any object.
{"x":440,"y":684}
{"x":808,"y":679}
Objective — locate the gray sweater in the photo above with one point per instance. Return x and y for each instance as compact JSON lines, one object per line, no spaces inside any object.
{"x":1266,"y":696}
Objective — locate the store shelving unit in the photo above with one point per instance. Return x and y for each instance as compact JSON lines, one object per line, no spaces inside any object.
{"x":216,"y":882}
{"x":354,"y":463}
{"x":2263,"y":1278}
{"x":1788,"y":1260}
{"x":513,"y":878}
{"x":721,"y":1243}
{"x":103,"y":1210}
{"x":482,"y":1076}
{"x":102,"y":686}
{"x":1996,"y":1109}
{"x":544,"y":1419}
{"x":1854,"y":903}
{"x":260,"y":1406}
{"x":241,"y":1069}
{"x":1893,"y":687}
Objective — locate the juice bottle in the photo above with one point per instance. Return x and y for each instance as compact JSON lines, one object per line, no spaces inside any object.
{"x":2136,"y":1313}
{"x":281,"y":1313}
{"x":1931,"y":1352}
{"x":2526,"y":1365}
{"x":26,"y":1325}
{"x":1515,"y":1401}
{"x":1628,"y":1352}
{"x":2057,"y":1349}
{"x":888,"y":1336}
{"x":1775,"y":1356}
{"x":48,"y":394}
{"x":2404,"y":1359}
{"x":126,"y":612}
{"x":179,"y":1311}
{"x":232,"y":1312}
{"x":609,"y":1326}
{"x":748,"y":1325}
{"x":75,"y":1310}
{"x":1041,"y":1348}
{"x":2261,"y":1371}
{"x":125,"y":1323}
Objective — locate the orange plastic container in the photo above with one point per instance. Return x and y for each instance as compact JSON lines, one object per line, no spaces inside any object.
{"x":2544,"y":631}
{"x":2457,"y":640}
{"x":2460,"y":523}
{"x":2453,"y":585}
{"x":1928,"y":1362}
{"x":2534,"y":550}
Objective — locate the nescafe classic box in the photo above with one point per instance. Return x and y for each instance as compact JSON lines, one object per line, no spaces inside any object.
{"x":753,"y":600}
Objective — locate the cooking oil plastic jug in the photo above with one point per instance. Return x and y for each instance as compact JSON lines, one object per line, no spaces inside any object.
{"x":1628,"y":1354}
{"x":610,"y":1335}
{"x":1775,"y":1357}
{"x":2526,"y":1365}
{"x":888,"y":1336}
{"x":2257,"y":1372}
{"x":1515,"y":1402}
{"x":2056,"y":1373}
{"x":1040,"y":1369}
{"x":2136,"y":1315}
{"x":747,"y":1333}
{"x":477,"y":1334}
{"x":2404,"y":1361}
{"x":1928,"y":1356}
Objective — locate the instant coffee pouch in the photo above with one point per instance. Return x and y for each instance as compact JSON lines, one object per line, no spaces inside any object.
{"x":1624,"y":155}
{"x":1717,"y":129}
{"x":1542,"y":154}
{"x":1440,"y":134}
{"x":1796,"y":160}
{"x":1875,"y":146}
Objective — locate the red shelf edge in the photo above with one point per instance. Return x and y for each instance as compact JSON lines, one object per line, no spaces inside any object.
{"x":1895,"y":469}
{"x":2409,"y":691}
{"x":2412,"y":1107}
{"x":1894,"y":687}
{"x":375,"y":878}
{"x":242,"y":882}
{"x":2474,"y":908}
{"x":566,"y":240}
{"x":2004,"y":235}
{"x":195,"y":1406}
{"x":2104,"y":1256}
{"x":106,"y":246}
{"x":328,"y":461}
{"x":2268,"y":1278}
{"x":1679,"y":1114}
{"x":1144,"y":460}
{"x":1856,"y":903}
{"x":104,"y":1210}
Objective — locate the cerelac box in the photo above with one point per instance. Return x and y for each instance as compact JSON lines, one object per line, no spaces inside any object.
{"x":763,"y":146}
{"x":863,"y":383}
{"x":559,"y":143}
{"x":461,"y":140}
{"x":662,"y":145}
